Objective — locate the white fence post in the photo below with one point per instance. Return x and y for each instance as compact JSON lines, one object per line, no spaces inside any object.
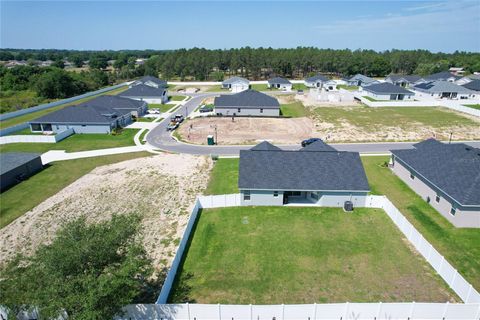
{"x":346,"y":311}
{"x":412,"y":309}
{"x":315,"y":311}
{"x":445,"y":310}
{"x":379,"y":311}
{"x":469,"y":293}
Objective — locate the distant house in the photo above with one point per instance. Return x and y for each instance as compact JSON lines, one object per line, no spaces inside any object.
{"x":99,"y":115}
{"x":280,"y":83}
{"x":236,"y":84}
{"x":316,"y":174}
{"x":442,"y":76}
{"x":447,"y":176}
{"x":150,"y":81}
{"x":403,"y":80}
{"x":360,"y":80}
{"x":473,"y":85}
{"x":317,"y":81}
{"x":444,"y":89}
{"x":16,"y":167}
{"x":247,"y":103}
{"x":387,"y":91}
{"x":456,"y":71}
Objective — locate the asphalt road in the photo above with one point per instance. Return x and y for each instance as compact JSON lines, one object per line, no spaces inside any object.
{"x":160,"y":138}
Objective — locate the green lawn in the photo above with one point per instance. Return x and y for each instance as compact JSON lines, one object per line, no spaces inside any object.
{"x":223,"y":177}
{"x":27,"y":117}
{"x":274,"y":255}
{"x":161,"y":107}
{"x":460,"y":246}
{"x":77,"y":142}
{"x":411,"y":117}
{"x":474,"y":106}
{"x":176,"y":98}
{"x":261,"y":87}
{"x":216,"y":88}
{"x":54,"y":177}
{"x":294,"y":110}
{"x":15,"y":100}
{"x":300,"y":86}
{"x":373,"y":99}
{"x":350,"y":88}
{"x":145,"y":119}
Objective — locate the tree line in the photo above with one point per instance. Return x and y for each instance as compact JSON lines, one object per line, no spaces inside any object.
{"x":259,"y":63}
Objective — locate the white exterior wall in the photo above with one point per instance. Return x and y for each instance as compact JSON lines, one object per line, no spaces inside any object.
{"x":285,"y":87}
{"x":247,"y":111}
{"x":462,"y":218}
{"x":155,"y":100}
{"x":82,"y":129}
{"x":337,"y":199}
{"x":438,"y":95}
{"x":239,"y":87}
{"x":387,"y":96}
{"x":261,"y":198}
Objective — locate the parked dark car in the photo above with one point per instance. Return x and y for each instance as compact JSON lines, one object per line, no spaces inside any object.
{"x":206,"y":109}
{"x":310,"y":141}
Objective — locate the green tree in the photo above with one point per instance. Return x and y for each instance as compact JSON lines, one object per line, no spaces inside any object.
{"x":58,"y":64}
{"x":56,"y":84}
{"x":89,"y":271}
{"x":77,"y":60}
{"x":98,"y":62}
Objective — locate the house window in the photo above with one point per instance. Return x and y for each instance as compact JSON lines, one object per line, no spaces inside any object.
{"x":261,"y":110}
{"x":238,"y":110}
{"x":246,"y":195}
{"x":314,"y":195}
{"x":412,"y":176}
{"x":36,"y":127}
{"x":453,"y":211}
{"x":437,"y":198}
{"x":275,"y":193}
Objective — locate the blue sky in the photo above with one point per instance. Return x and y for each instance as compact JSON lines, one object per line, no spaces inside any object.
{"x":434,"y":25}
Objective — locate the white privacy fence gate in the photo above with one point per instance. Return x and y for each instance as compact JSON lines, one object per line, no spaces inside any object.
{"x":342,"y":311}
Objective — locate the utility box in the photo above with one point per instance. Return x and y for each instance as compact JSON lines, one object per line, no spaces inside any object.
{"x":348,"y":206}
{"x":210,"y":140}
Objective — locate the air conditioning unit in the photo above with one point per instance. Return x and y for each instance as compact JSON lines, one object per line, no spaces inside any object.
{"x":348,"y":206}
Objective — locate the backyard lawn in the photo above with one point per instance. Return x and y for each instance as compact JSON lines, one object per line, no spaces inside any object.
{"x":216,"y":88}
{"x":460,"y":246}
{"x":77,"y":142}
{"x":176,"y":98}
{"x":161,"y":107}
{"x":274,"y":255}
{"x":27,"y":117}
{"x":294,"y":110}
{"x":54,"y":177}
{"x":223,"y":177}
{"x":349,"y":88}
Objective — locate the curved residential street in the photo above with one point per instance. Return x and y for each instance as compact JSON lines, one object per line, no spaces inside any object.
{"x":160,"y":138}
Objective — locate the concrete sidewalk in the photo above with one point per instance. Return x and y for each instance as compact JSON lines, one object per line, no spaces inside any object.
{"x":60,"y":155}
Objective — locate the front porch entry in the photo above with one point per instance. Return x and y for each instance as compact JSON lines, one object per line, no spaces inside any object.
{"x":300,"y":197}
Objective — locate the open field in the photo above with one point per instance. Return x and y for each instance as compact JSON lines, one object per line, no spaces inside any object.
{"x":160,"y":188}
{"x":274,"y":255}
{"x":223,"y":177}
{"x":337,"y":124}
{"x":16,"y":100}
{"x":54,"y":177}
{"x":77,"y":142}
{"x":28,"y":117}
{"x":460,"y":246}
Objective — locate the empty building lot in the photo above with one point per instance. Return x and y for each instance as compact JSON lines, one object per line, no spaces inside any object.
{"x":273,"y":255}
{"x":338,"y":124}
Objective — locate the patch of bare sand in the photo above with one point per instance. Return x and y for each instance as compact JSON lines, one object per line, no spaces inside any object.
{"x":162,"y":188}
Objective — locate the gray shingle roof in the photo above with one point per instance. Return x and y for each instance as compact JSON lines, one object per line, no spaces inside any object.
{"x":235,"y":79}
{"x":143,"y":90}
{"x":12,"y":160}
{"x":363,"y":79}
{"x":444,"y":75}
{"x":441,"y":86}
{"x":453,"y":168}
{"x":472,"y":85}
{"x":318,"y":146}
{"x":387,"y":88}
{"x":143,"y":80}
{"x":317,"y":77}
{"x":246,"y":99}
{"x":100,"y":110}
{"x":407,"y":78}
{"x":265,"y":146}
{"x":279,"y":81}
{"x":296,"y":170}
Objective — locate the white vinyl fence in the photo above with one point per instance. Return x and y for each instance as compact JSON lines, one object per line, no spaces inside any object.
{"x":342,"y":311}
{"x":36,"y":138}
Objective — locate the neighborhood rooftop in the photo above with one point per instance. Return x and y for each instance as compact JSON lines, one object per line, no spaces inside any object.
{"x":472,"y":85}
{"x":296,"y":170}
{"x":453,"y":168}
{"x":279,"y":81}
{"x":149,"y":80}
{"x":247,"y":98}
{"x":235,"y":79}
{"x":142,"y":90}
{"x":12,"y":160}
{"x":408,"y":78}
{"x":386,"y":88}
{"x":441,"y":86}
{"x":444,"y":75}
{"x":317,"y":77}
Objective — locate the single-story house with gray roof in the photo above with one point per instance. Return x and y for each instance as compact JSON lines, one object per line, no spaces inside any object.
{"x":149,"y":94}
{"x":387,"y":91}
{"x":473,"y":85}
{"x":99,"y":115}
{"x":317,"y":81}
{"x":16,"y":167}
{"x":403,"y":80}
{"x":442,"y":76}
{"x":327,"y":177}
{"x":280,"y":83}
{"x":444,"y":90}
{"x":447,"y":176}
{"x":150,"y":81}
{"x":236,"y":84}
{"x":247,"y":103}
{"x":360,"y":80}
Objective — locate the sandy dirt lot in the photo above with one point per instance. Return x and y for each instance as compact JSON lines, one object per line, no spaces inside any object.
{"x":162,"y":188}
